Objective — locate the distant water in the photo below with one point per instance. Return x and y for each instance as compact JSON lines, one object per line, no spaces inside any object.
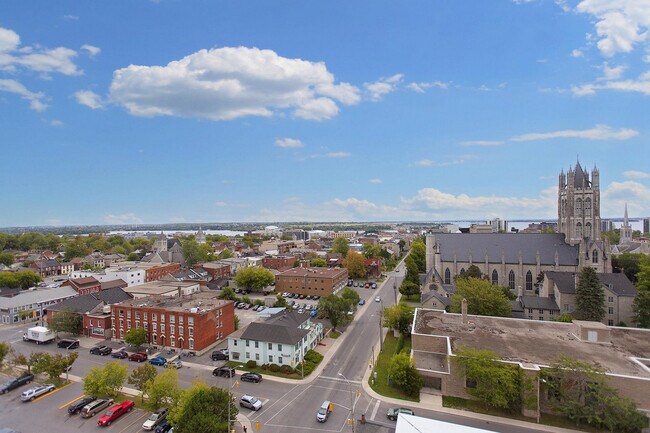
{"x":229,"y":233}
{"x":636,"y":224}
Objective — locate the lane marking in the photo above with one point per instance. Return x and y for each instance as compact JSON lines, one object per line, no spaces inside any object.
{"x":337,"y":379}
{"x":72,"y":401}
{"x":51,"y":392}
{"x":123,"y":417}
{"x":122,"y":431}
{"x":374,"y":410}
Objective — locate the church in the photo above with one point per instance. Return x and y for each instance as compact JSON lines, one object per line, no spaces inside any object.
{"x":515,"y":260}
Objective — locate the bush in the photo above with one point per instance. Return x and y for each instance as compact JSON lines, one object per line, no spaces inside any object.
{"x":251,"y":364}
{"x":313,"y":356}
{"x":286,"y":369}
{"x":274,"y":368}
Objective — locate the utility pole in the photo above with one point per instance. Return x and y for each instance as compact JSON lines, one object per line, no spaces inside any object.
{"x":351,"y":401}
{"x":381,"y":319}
{"x":395,"y":289}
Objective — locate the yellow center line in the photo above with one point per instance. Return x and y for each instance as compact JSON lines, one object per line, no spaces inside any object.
{"x":72,"y":401}
{"x":137,"y":420}
{"x":51,"y":392}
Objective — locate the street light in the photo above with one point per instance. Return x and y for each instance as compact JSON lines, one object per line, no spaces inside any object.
{"x":381,"y":333}
{"x":539,"y":410}
{"x":230,"y":397}
{"x":352,"y":402}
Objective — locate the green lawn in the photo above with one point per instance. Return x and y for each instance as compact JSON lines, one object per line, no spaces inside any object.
{"x":296,"y":374}
{"x":381,"y":385}
{"x":334,"y":334}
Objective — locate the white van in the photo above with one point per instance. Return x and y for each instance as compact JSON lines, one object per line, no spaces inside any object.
{"x":324,"y":411}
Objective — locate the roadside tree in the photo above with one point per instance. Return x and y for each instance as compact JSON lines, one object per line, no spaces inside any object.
{"x":351,"y":296}
{"x":335,"y":308}
{"x":412,"y":273}
{"x":355,"y":263}
{"x":409,"y":289}
{"x":105,"y":381}
{"x":403,"y":373}
{"x":136,"y":337}
{"x":142,"y":377}
{"x":164,"y":390}
{"x":256,"y":279}
{"x":66,"y":321}
{"x":641,"y":304}
{"x":590,"y":296}
{"x":418,"y":253}
{"x":5,"y":349}
{"x":483,"y":298}
{"x":54,"y":365}
{"x":399,"y":317}
{"x":203,"y":409}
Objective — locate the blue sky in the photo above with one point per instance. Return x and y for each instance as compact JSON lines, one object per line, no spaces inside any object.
{"x":170,"y":111}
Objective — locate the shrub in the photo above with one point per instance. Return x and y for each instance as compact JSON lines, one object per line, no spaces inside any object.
{"x":274,"y":368}
{"x":251,"y":364}
{"x":286,"y":369}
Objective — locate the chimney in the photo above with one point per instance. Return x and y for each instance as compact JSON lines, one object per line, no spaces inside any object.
{"x":180,"y":293}
{"x":463,"y":310}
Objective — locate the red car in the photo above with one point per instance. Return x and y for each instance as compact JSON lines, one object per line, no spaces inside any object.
{"x":138,"y":357}
{"x":115,"y":412}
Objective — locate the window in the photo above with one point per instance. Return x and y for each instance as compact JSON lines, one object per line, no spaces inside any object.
{"x":172,"y":329}
{"x":529,"y":280}
{"x":192,"y":343}
{"x":280,"y":360}
{"x":495,"y":277}
{"x":154,"y":327}
{"x":610,"y":310}
{"x":610,"y":323}
{"x":257,"y":344}
{"x":162,"y":328}
{"x":154,"y":317}
{"x":279,"y":347}
{"x":551,"y":312}
{"x":579,"y":230}
{"x":121,"y":313}
{"x":172,"y":319}
{"x":579,"y":207}
{"x":162,"y":317}
{"x":462,"y":271}
{"x":190,"y":321}
{"x":471,"y":384}
{"x":270,"y":346}
{"x":530,"y":311}
{"x":248,"y":355}
{"x":541,"y":318}
{"x":587,"y":232}
{"x":144,"y":315}
{"x":594,"y":257}
{"x":155,"y":339}
{"x":511,"y":280}
{"x":181,"y":330}
{"x":447,"y":276}
{"x":610,"y":299}
{"x":172,"y":341}
{"x":257,"y":357}
{"x":270,"y":358}
{"x":247,"y":344}
{"x":121,"y":323}
{"x":530,"y":317}
{"x":588,"y":207}
{"x":137,"y":315}
{"x":180,"y":320}
{"x":234,"y":342}
{"x":145,"y":326}
{"x":190,"y":332}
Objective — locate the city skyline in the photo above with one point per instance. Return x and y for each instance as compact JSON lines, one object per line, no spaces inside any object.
{"x":368,"y":112}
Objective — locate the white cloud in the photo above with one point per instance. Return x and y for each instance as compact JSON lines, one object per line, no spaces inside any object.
{"x":92,"y":50}
{"x":462,"y":159}
{"x":375,"y":180}
{"x":126,"y":218}
{"x":383,"y":86}
{"x":620,"y":24}
{"x":577,"y":53}
{"x":482,"y":143}
{"x":333,"y":155}
{"x":35,"y":98}
{"x":617,"y":194}
{"x":89,"y":99}
{"x":599,"y":132}
{"x":56,"y":122}
{"x":636,"y":174}
{"x":231,"y":82}
{"x":612,"y":73}
{"x":70,"y":17}
{"x":639,"y":85}
{"x":423,"y":86}
{"x":288,"y":143}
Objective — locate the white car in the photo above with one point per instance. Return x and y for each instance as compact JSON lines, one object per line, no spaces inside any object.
{"x":155,"y":419}
{"x":377,"y":299}
{"x":37,"y":391}
{"x":250,"y":402}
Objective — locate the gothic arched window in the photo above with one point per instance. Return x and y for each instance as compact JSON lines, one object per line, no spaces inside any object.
{"x":588,"y":207}
{"x":462,"y":271}
{"x":588,"y":230}
{"x":495,"y":277}
{"x":511,"y":280}
{"x":579,"y":230}
{"x":529,"y":280}
{"x":594,"y":256}
{"x":447,"y":276}
{"x":579,"y":207}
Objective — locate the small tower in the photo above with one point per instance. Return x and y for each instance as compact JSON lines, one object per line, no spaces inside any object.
{"x":579,"y":205}
{"x":626,"y":229}
{"x":200,"y":237}
{"x":161,"y":243}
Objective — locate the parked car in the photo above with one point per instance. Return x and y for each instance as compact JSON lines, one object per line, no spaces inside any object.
{"x":247,"y":306}
{"x":394,"y":412}
{"x":218,"y":355}
{"x":301,"y":311}
{"x":163,"y":427}
{"x":251,"y":377}
{"x":224,"y":371}
{"x":313,"y":313}
{"x":377,"y":299}
{"x":95,"y":407}
{"x":158,"y":360}
{"x":316,"y":297}
{"x":155,"y":419}
{"x":362,"y":302}
{"x":366,"y":286}
{"x":176,"y":363}
{"x":15,"y":383}
{"x":373,"y":285}
{"x":76,"y":407}
{"x":68,"y":344}
{"x":250,"y":402}
{"x":101,"y":350}
{"x":308,"y":307}
{"x":138,"y":357}
{"x":37,"y":391}
{"x":285,"y":294}
{"x":115,"y":412}
{"x":120,"y":354}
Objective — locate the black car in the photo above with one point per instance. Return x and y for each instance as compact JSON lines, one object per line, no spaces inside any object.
{"x":251,"y":377}
{"x":76,"y":407}
{"x":120,"y":354}
{"x":101,"y":350}
{"x":163,"y":427}
{"x":68,"y":344}
{"x":15,"y":383}
{"x":224,"y":372}
{"x":217,"y":355}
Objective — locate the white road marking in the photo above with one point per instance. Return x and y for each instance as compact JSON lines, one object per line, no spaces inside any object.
{"x":339,"y":380}
{"x":374,"y":410}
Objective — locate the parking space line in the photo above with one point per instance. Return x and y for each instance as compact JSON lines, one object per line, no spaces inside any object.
{"x":72,"y":401}
{"x":50,"y":393}
{"x":143,"y":415}
{"x":120,"y":419}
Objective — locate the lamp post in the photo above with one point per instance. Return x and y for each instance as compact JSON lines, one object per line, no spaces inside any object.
{"x":230,"y":398}
{"x":351,"y":401}
{"x":539,"y":406}
{"x":381,"y":317}
{"x":395,"y":289}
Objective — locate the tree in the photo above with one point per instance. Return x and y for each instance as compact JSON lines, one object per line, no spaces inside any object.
{"x":67,"y":321}
{"x":226,"y":254}
{"x":280,"y":302}
{"x":341,"y":245}
{"x":136,"y":336}
{"x":54,"y":365}
{"x":399,"y":317}
{"x":351,"y":296}
{"x":256,"y":279}
{"x":4,"y":351}
{"x":371,"y":251}
{"x":641,"y":303}
{"x":335,"y":308}
{"x":402,"y":245}
{"x":142,"y":377}
{"x":318,"y":263}
{"x":203,"y":409}
{"x":26,"y":361}
{"x":403,"y":373}
{"x":6,"y":259}
{"x":164,"y":390}
{"x":483,"y":298}
{"x":496,"y":383}
{"x":629,"y":264}
{"x":107,"y":380}
{"x":227,"y":293}
{"x":408,"y":288}
{"x":565,"y":318}
{"x":590,"y":296}
{"x":355,"y":264}
{"x":20,"y":279}
{"x":385,"y":254}
{"x":133,"y":257}
{"x":193,"y":253}
{"x":472,"y":272}
{"x":418,"y":253}
{"x":76,"y":248}
{"x":412,"y":272}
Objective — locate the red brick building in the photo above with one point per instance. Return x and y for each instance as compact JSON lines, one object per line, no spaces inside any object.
{"x":279,"y":262}
{"x":311,"y":281}
{"x":154,"y":273}
{"x":84,"y":286}
{"x":195,"y":322}
{"x":373,"y":267}
{"x":216,"y":270}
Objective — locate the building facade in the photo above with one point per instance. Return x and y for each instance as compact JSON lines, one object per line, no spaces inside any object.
{"x":279,"y":262}
{"x":29,"y":304}
{"x":311,"y":281}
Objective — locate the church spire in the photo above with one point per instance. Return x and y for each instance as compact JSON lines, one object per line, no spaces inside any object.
{"x":625,"y":219}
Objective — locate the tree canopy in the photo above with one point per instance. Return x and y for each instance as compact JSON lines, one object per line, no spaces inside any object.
{"x":641,"y":303}
{"x":341,"y":245}
{"x":483,"y":298}
{"x":136,"y":336}
{"x":66,"y":321}
{"x":203,"y":409}
{"x":351,"y":295}
{"x":6,"y":259}
{"x":355,"y":263}
{"x":399,"y":317}
{"x":628,"y":263}
{"x":318,"y":263}
{"x":590,"y":296}
{"x":107,"y":380}
{"x":20,"y":279}
{"x":472,"y":272}
{"x":54,"y":365}
{"x":164,"y":390}
{"x":335,"y":308}
{"x":142,"y":377}
{"x":371,"y":251}
{"x":403,"y":373}
{"x":418,"y":253}
{"x":256,"y":279}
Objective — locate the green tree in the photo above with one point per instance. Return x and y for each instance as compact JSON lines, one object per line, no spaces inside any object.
{"x":385,"y":254}
{"x":355,"y":263}
{"x":193,"y":253}
{"x":628,"y":263}
{"x":4,"y":351}
{"x":335,"y":308}
{"x":399,"y":317}
{"x":341,"y":245}
{"x":136,"y":336}
{"x":164,"y":390}
{"x":203,"y":409}
{"x":472,"y":272}
{"x":641,"y":303}
{"x":67,"y":321}
{"x":227,"y":293}
{"x":6,"y":259}
{"x":54,"y":365}
{"x":75,"y":248}
{"x":226,"y":254}
{"x":403,"y":373}
{"x":256,"y":279}
{"x":590,"y":296}
{"x":495,"y":383}
{"x":613,"y":236}
{"x":483,"y":298}
{"x":142,"y":377}
{"x":351,"y":296}
{"x":412,"y":273}
{"x":402,"y":245}
{"x":371,"y":251}
{"x":133,"y":257}
{"x":20,"y":279}
{"x":409,"y":289}
{"x":280,"y":302}
{"x":318,"y":263}
{"x":418,"y":253}
{"x":565,"y":318}
{"x":107,"y":380}
{"x":24,"y":360}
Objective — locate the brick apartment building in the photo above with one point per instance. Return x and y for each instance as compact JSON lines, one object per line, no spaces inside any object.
{"x":156,"y":272}
{"x":195,"y":322}
{"x":279,"y":262}
{"x":312,"y":281}
{"x":84,"y":286}
{"x":214,"y":269}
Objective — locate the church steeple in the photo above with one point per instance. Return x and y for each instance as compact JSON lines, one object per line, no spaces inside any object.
{"x":626,"y":229}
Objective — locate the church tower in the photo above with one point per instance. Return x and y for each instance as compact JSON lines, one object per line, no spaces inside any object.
{"x":200,"y":236}
{"x":161,"y":243}
{"x":626,"y":230}
{"x":579,"y":205}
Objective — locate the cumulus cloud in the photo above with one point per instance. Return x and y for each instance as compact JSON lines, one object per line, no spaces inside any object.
{"x":375,"y":180}
{"x":89,"y":99}
{"x":577,"y":53}
{"x":91,"y":50}
{"x":333,"y":155}
{"x":423,"y":86}
{"x":383,"y":86}
{"x":462,"y":159}
{"x":636,"y":174}
{"x":126,"y":218}
{"x":617,"y":194}
{"x":227,"y":83}
{"x":638,"y":85}
{"x":599,"y":132}
{"x":35,"y":99}
{"x":482,"y":143}
{"x":288,"y":143}
{"x":612,"y":72}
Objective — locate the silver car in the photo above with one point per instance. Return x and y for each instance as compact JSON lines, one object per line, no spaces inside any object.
{"x":37,"y":391}
{"x":250,"y":402}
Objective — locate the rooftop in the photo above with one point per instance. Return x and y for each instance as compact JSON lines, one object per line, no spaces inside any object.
{"x":617,"y":283}
{"x":160,"y":287}
{"x":203,"y":302}
{"x":283,"y":328}
{"x":537,"y":342}
{"x":320,"y":272}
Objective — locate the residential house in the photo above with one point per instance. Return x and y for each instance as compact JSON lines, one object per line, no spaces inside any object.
{"x":214,"y":269}
{"x":279,"y":262}
{"x":46,"y":268}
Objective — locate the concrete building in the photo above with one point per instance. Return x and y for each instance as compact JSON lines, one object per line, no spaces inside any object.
{"x":24,"y":305}
{"x":281,"y":339}
{"x":164,"y":288}
{"x":531,"y":345}
{"x":311,"y":281}
{"x":132,"y":272}
{"x":195,"y":323}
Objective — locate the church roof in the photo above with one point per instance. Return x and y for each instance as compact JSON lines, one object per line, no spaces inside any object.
{"x":508,"y":245}
{"x":580,"y":177}
{"x":617,"y":283}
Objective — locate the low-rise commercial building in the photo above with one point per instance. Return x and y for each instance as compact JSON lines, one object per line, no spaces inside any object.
{"x":27,"y":305}
{"x":279,"y":262}
{"x":312,"y":281}
{"x":84,"y":286}
{"x":164,"y":288}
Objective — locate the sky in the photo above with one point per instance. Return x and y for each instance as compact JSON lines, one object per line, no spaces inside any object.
{"x":216,"y":111}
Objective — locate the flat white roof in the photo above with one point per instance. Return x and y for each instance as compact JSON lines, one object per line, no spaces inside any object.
{"x":416,"y":424}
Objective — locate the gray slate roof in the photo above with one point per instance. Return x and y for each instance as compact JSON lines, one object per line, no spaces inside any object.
{"x":537,"y":303}
{"x":281,"y":328}
{"x":617,"y":283}
{"x":496,"y":245}
{"x":433,"y":294}
{"x":85,"y":303}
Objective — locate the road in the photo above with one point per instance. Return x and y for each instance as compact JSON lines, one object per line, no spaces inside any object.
{"x":287,"y":407}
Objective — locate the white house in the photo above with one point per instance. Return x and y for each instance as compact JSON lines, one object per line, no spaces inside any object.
{"x":131,"y":275}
